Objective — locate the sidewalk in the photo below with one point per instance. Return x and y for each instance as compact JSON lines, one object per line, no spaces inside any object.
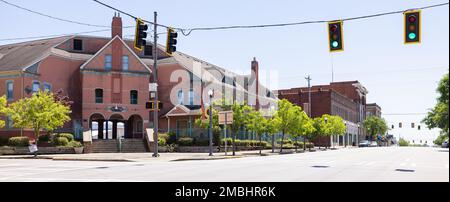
{"x":147,"y":157}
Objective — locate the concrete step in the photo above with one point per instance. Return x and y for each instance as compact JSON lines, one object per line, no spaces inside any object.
{"x":112,"y":146}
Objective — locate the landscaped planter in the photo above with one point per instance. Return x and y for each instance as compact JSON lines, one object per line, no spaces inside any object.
{"x":78,"y":150}
{"x":41,"y":150}
{"x":194,"y":149}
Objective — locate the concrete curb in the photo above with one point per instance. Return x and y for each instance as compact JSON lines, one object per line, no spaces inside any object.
{"x":84,"y":159}
{"x":208,"y":158}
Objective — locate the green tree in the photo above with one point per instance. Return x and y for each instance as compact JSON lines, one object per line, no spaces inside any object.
{"x":257,"y":124}
{"x":285,"y":119}
{"x":374,"y":126}
{"x":328,"y":126}
{"x":3,"y":110}
{"x":303,"y":126}
{"x":240,"y":120}
{"x":39,"y":112}
{"x":438,"y":116}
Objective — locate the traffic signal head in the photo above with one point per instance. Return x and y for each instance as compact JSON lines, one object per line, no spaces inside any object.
{"x":413,"y":125}
{"x":151,"y":106}
{"x":140,"y":35}
{"x":413,"y":27}
{"x":335,"y":36}
{"x":400,"y":125}
{"x":171,"y":41}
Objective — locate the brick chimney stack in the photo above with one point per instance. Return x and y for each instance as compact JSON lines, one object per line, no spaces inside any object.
{"x":116,"y":26}
{"x":255,"y":75}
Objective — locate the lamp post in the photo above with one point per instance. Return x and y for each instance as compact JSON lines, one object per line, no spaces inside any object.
{"x":211,"y":94}
{"x":331,"y":137}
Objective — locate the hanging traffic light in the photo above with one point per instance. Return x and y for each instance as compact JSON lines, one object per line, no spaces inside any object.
{"x":335,"y":36}
{"x":171,"y":41}
{"x":413,"y":125}
{"x":400,"y":125}
{"x":413,"y":27}
{"x":151,"y":105}
{"x":418,"y":127}
{"x":140,"y":35}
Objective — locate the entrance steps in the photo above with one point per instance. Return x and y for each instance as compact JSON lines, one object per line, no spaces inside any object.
{"x":113,"y":146}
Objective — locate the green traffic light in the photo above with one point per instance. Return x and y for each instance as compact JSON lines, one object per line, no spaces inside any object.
{"x":412,"y":36}
{"x":335,"y":44}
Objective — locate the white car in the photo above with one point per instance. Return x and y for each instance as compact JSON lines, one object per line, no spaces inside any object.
{"x":373,"y":144}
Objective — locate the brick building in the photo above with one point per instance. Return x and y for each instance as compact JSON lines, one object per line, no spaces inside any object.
{"x":345,"y":99}
{"x":373,"y":109}
{"x":109,"y":83}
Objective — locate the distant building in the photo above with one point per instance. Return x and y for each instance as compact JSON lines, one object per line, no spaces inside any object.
{"x":346,"y":99}
{"x":373,"y":109}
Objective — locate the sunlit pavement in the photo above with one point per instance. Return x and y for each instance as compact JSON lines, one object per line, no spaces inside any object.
{"x":353,"y":165}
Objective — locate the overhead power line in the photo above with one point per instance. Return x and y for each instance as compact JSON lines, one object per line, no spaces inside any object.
{"x":53,"y":17}
{"x":188,"y":31}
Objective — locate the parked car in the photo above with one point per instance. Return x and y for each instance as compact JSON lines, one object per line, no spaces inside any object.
{"x":373,"y":144}
{"x":364,"y":143}
{"x":445,"y":144}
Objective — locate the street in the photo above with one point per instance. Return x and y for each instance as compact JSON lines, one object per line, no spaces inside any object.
{"x":394,"y":164}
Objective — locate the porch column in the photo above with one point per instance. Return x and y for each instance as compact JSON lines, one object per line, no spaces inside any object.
{"x":100,"y":129}
{"x":114,"y":130}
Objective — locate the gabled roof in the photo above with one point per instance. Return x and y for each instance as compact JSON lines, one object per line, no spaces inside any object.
{"x":18,"y":57}
{"x":181,"y":110}
{"x":108,"y":44}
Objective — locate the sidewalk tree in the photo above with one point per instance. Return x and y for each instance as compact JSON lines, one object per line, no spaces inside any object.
{"x":328,"y":125}
{"x":438,"y":116}
{"x":39,"y":112}
{"x":257,"y":124}
{"x":285,"y":119}
{"x":375,"y":125}
{"x":3,"y":109}
{"x":240,"y":119}
{"x":271,"y":130}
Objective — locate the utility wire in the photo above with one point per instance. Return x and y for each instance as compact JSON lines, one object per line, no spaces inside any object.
{"x":53,"y":17}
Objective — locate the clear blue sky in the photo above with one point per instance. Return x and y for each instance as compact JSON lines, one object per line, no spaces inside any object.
{"x":400,"y":78}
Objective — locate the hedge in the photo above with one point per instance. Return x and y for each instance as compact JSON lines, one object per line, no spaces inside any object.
{"x":60,"y":141}
{"x":68,"y":136}
{"x":309,"y":145}
{"x":19,"y":142}
{"x":44,"y":138}
{"x":3,"y":141}
{"x":185,"y":141}
{"x":245,"y":143}
{"x":74,"y":144}
{"x":162,"y":141}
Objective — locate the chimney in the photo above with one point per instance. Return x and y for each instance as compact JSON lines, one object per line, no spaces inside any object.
{"x":116,"y":26}
{"x":255,"y":75}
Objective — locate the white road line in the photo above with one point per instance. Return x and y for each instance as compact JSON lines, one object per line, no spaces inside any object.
{"x":361,"y":163}
{"x":413,"y":165}
{"x":370,"y":163}
{"x":403,"y":164}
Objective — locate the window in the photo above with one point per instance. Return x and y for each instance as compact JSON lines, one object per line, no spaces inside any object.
{"x":148,"y":50}
{"x":98,"y":96}
{"x":125,"y":62}
{"x":191,"y":97}
{"x":10,"y":90}
{"x":108,"y":62}
{"x":180,"y":97}
{"x":47,"y":87}
{"x":78,"y":44}
{"x":36,"y":86}
{"x":134,"y":97}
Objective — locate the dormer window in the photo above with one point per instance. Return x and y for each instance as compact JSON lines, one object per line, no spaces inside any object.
{"x":78,"y":44}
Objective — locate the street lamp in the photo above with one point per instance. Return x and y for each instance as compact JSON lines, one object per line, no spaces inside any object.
{"x":211,"y":94}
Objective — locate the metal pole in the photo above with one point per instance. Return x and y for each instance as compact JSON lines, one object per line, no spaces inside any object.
{"x":309,"y":106}
{"x":155,"y":80}
{"x":226,"y":122}
{"x":210,"y":127}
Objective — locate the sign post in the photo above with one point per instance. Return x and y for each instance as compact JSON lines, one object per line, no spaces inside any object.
{"x":225,"y":118}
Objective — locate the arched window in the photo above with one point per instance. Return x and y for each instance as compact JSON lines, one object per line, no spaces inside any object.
{"x":98,"y":96}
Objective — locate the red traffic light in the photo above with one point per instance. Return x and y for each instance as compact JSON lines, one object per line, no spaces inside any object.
{"x":334,"y":28}
{"x":412,"y":18}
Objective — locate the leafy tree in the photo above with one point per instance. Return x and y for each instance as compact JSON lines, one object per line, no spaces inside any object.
{"x":438,"y":116}
{"x":328,"y":126}
{"x":257,"y":123}
{"x":240,"y":120}
{"x":374,"y":126}
{"x":3,"y":110}
{"x":285,"y":119}
{"x":303,"y":126}
{"x":39,"y":112}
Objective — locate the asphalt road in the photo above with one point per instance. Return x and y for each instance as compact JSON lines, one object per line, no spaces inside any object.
{"x":353,"y":165}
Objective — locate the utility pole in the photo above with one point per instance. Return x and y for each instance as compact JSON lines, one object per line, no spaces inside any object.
{"x":309,"y":106}
{"x":155,"y":80}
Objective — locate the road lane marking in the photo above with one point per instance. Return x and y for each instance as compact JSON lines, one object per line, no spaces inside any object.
{"x":403,"y":164}
{"x":413,"y":165}
{"x":370,"y":163}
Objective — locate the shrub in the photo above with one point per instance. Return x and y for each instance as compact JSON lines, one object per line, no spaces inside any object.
{"x":3,"y":141}
{"x":403,"y":143}
{"x":172,"y":138}
{"x":164,"y":136}
{"x":19,"y":142}
{"x":162,"y":141}
{"x":44,"y":138}
{"x":200,"y":143}
{"x":74,"y":144}
{"x":309,"y":145}
{"x":288,"y":146}
{"x":68,"y":136}
{"x":60,"y":141}
{"x":185,"y":141}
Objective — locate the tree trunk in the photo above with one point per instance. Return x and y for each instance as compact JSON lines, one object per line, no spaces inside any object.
{"x":282,"y":140}
{"x":260,"y":144}
{"x":304,"y":143}
{"x":273,"y":143}
{"x":234,"y":143}
{"x":296,"y":145}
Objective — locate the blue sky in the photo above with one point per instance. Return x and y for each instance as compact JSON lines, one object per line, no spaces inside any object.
{"x":400,"y":78}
